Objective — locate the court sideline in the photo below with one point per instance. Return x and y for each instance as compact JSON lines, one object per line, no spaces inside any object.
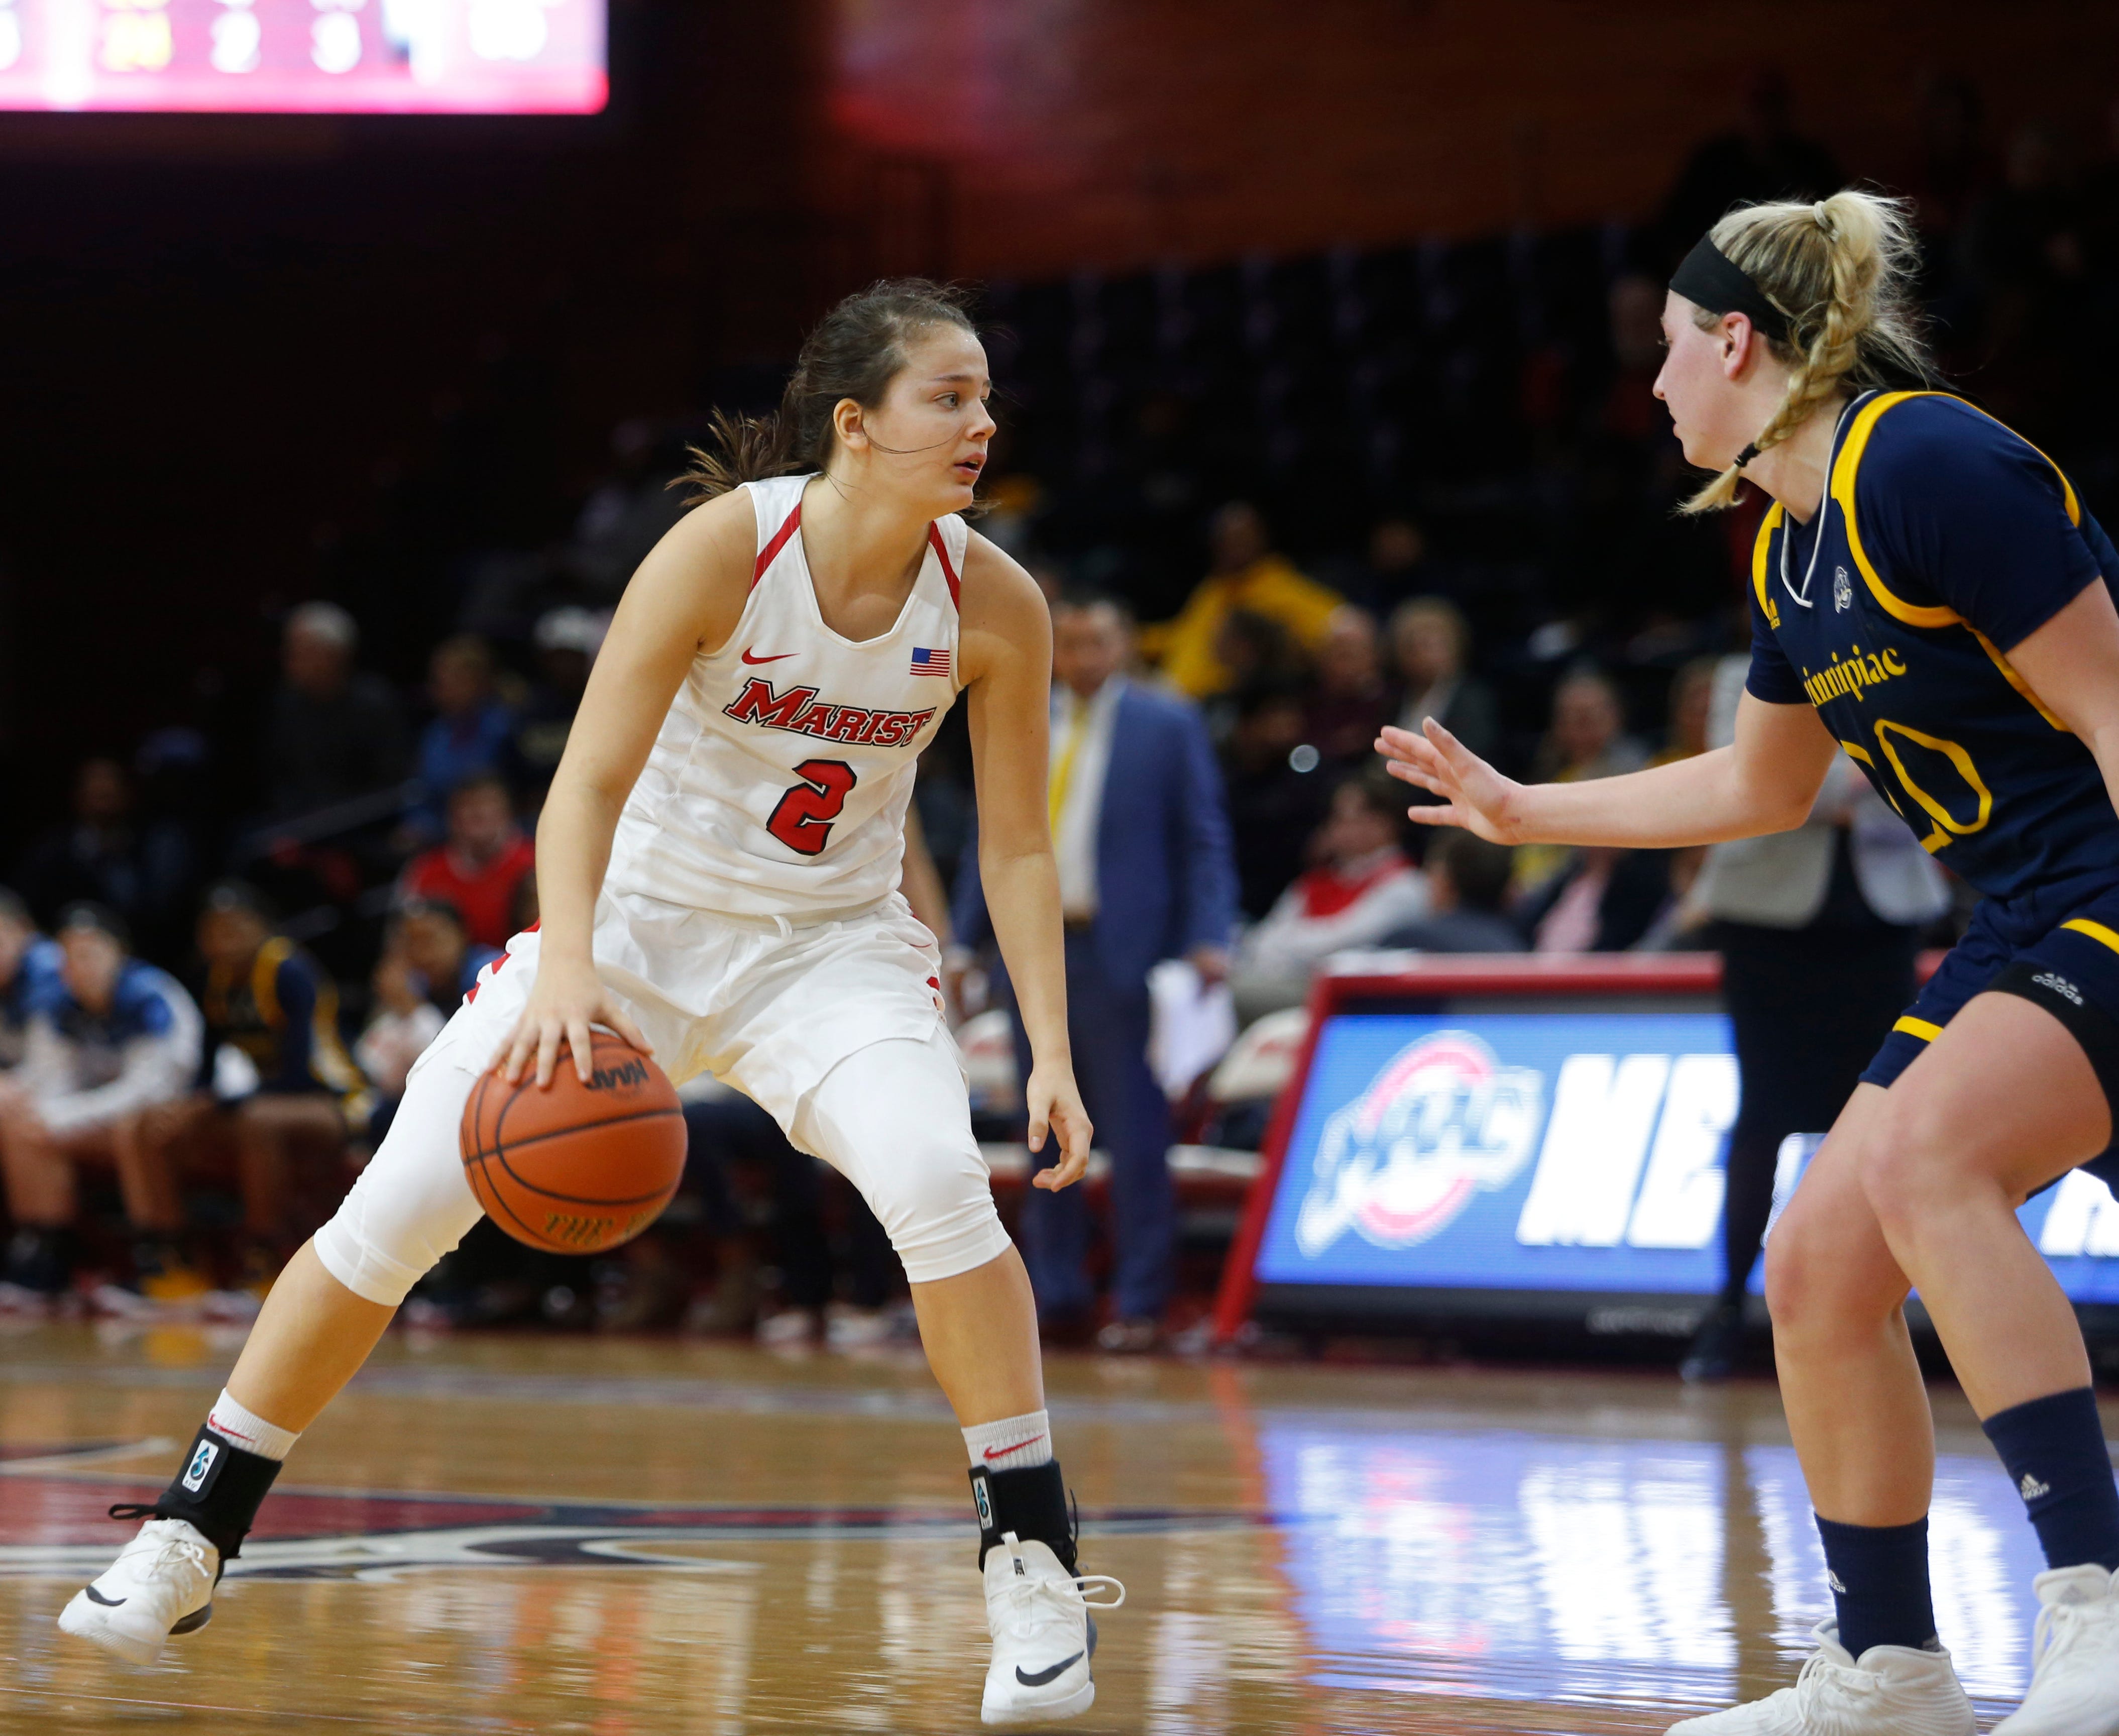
{"x":627,"y":1538}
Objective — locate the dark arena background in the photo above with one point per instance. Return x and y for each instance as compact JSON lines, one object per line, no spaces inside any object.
{"x":1322,"y":338}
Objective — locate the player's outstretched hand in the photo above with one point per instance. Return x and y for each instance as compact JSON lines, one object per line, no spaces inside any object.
{"x":1055,"y":1106}
{"x":565,"y":1001}
{"x":1474,"y":795}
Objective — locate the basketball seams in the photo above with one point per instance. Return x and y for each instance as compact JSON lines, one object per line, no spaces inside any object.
{"x":475,"y":1114}
{"x":528,"y":1185}
{"x":515,"y":1089}
{"x":506,"y":1197}
{"x":496,"y":1202}
{"x":516,"y":1092}
{"x":561,"y":1133}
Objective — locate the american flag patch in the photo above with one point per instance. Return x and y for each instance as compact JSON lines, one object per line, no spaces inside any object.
{"x":926,"y":662}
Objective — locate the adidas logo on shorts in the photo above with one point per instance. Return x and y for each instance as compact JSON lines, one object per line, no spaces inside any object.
{"x":2031,"y":1489}
{"x":2060,"y":985}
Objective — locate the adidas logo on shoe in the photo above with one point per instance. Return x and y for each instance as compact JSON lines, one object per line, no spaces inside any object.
{"x":2031,"y":1489}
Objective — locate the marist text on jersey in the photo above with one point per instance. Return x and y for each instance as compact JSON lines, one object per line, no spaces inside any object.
{"x":801,"y":713}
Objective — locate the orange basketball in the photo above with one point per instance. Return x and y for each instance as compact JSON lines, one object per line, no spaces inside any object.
{"x":574,"y":1168}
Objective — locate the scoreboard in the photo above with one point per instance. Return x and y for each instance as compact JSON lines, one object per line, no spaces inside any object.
{"x":325,"y":56}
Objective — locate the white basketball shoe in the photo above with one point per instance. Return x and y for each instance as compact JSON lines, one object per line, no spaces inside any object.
{"x":2075,"y":1671}
{"x":1043,"y":1633}
{"x":1889,"y":1690}
{"x":162,"y":1583}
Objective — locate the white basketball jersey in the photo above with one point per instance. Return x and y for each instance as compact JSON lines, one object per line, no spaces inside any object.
{"x":778,"y":782}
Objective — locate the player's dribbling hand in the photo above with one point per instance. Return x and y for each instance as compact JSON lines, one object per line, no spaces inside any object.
{"x":565,"y":1000}
{"x":1055,"y":1106}
{"x":1474,"y":795}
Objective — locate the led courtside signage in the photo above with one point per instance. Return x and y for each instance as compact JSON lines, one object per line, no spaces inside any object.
{"x":1549,"y":1152}
{"x":339,"y":56}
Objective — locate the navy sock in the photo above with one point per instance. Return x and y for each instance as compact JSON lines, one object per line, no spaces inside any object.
{"x":2053,"y":1449}
{"x":1879,"y":1578}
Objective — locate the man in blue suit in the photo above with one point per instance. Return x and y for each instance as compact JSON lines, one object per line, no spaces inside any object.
{"x":1146,"y":873}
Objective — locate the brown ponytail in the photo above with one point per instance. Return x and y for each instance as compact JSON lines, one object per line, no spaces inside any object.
{"x":1843,"y":270}
{"x":855,"y":352}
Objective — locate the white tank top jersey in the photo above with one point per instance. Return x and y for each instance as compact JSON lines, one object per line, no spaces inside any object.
{"x":778,"y":784}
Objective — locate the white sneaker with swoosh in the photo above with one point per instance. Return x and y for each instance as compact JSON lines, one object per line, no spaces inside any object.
{"x":162,"y":1583}
{"x":1889,"y":1690}
{"x":1043,"y":1635}
{"x":2075,"y":1671}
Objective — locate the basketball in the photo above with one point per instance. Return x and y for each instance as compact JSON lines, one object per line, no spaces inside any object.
{"x":573,"y":1168}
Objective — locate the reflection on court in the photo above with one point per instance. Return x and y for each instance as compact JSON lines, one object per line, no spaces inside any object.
{"x":625,"y":1538}
{"x":1531,"y":1567}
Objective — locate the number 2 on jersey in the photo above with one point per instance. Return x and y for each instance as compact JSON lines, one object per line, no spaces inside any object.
{"x":803,"y":819}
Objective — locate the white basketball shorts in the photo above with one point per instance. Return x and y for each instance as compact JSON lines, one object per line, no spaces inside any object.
{"x":836,"y":1028}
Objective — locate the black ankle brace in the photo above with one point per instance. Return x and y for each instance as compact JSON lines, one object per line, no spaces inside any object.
{"x":1032,"y":1503}
{"x":217,"y":1492}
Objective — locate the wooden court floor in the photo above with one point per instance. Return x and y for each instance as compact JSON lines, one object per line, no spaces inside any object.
{"x":632,"y":1537}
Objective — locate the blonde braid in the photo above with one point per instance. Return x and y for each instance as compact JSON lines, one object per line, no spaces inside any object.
{"x":1842,"y":270}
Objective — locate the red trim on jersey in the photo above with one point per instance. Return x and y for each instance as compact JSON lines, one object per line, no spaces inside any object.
{"x":949,"y":572}
{"x":771,"y":552}
{"x":494,"y":968}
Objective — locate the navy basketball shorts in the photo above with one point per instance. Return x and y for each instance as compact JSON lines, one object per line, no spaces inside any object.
{"x":2069,"y":968}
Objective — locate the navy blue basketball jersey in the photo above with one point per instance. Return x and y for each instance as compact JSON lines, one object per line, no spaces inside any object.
{"x":1943,"y":540}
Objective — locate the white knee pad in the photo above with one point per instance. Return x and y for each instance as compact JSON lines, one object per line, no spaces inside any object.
{"x":411,"y":1204}
{"x":894,"y":1120}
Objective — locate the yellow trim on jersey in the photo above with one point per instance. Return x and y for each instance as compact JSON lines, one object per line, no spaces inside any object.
{"x":1843,"y":469}
{"x":1919,"y":1028}
{"x":328,"y":1060}
{"x":2096,"y":932}
{"x":1937,"y":615}
{"x":2009,"y":675}
{"x":1760,"y":545}
{"x":1855,"y":750}
{"x":1955,"y":753}
{"x":2066,"y":488}
{"x":329,"y":1064}
{"x":265,"y":976}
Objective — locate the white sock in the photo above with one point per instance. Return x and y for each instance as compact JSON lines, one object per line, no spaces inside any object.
{"x":249,"y":1431}
{"x":1012,"y":1444}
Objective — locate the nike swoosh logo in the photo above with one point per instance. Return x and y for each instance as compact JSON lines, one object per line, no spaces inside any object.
{"x":778,"y":658}
{"x":112,"y":1603}
{"x":1038,"y":1678}
{"x":1002,"y":1452}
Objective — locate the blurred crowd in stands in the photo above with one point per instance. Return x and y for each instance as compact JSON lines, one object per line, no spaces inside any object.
{"x":1320,"y":496}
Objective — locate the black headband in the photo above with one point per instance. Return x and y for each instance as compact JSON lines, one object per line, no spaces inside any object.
{"x":1709,"y":279}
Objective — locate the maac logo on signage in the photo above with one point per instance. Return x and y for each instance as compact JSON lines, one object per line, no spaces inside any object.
{"x":1444,"y":1121}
